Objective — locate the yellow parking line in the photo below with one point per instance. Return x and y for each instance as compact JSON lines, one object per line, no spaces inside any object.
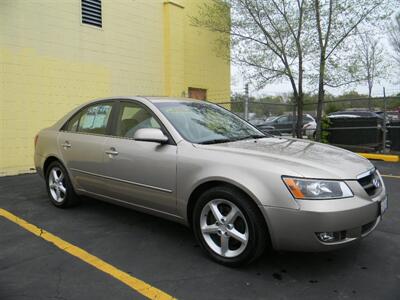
{"x":138,"y":285}
{"x":384,"y":157}
{"x":391,"y":176}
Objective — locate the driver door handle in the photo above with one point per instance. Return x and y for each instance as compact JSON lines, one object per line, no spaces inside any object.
{"x":66,"y":145}
{"x":112,"y":152}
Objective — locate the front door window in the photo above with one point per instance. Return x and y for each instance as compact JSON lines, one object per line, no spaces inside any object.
{"x":132,"y":117}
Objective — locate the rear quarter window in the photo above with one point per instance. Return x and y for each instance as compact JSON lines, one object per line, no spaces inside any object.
{"x":72,"y":124}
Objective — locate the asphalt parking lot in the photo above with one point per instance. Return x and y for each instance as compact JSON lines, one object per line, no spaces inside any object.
{"x":165,"y":255}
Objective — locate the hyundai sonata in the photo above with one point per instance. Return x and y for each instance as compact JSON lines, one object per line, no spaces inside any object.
{"x":197,"y":163}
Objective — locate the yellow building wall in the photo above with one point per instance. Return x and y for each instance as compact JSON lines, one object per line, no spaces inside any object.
{"x":203,"y":67}
{"x":50,"y":62}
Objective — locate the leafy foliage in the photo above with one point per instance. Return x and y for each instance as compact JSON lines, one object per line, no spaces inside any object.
{"x":300,"y":41}
{"x":326,"y":123}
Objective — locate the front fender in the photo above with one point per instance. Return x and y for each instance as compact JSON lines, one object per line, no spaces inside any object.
{"x":264,"y":185}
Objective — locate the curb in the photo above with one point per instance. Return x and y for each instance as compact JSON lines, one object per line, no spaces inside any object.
{"x":384,"y":157}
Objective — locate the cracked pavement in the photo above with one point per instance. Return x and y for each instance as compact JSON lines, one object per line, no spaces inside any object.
{"x":165,"y":255}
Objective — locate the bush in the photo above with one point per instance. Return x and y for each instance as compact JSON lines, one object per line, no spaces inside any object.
{"x":326,"y":123}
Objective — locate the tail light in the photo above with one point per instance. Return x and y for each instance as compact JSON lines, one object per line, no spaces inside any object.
{"x":36,"y":139}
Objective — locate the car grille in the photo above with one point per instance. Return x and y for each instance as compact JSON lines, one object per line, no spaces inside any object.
{"x":371,"y":183}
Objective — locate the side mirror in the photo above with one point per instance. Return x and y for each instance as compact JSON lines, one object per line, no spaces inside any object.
{"x":150,"y":135}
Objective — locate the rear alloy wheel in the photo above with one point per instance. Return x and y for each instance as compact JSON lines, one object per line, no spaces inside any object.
{"x":229,"y":227}
{"x":59,"y":187}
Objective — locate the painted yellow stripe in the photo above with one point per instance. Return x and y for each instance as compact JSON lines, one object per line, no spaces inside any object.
{"x":138,"y":285}
{"x":384,"y":157}
{"x":391,"y":176}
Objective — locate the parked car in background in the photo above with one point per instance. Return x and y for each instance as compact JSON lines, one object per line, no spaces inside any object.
{"x":355,"y":114}
{"x":198,"y":164}
{"x":260,"y":124}
{"x":393,"y":115}
{"x":284,"y":124}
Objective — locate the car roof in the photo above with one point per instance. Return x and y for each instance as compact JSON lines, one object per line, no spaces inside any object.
{"x":353,"y":112}
{"x":152,"y":99}
{"x":155,"y":99}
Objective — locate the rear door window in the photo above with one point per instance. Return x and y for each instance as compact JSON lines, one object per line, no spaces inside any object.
{"x":94,"y":119}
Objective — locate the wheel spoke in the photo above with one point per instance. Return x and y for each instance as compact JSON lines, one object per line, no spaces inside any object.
{"x":58,"y":194}
{"x":61,"y":177}
{"x":224,"y":244}
{"x":62,"y":189}
{"x":208,"y":229}
{"x":233,"y":233}
{"x":54,"y":174}
{"x":215,"y":211}
{"x":231,"y":217}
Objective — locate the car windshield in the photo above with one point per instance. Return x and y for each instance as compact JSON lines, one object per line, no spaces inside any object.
{"x":206,"y":123}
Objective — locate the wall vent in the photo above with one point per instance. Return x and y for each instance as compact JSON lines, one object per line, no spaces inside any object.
{"x":91,"y":12}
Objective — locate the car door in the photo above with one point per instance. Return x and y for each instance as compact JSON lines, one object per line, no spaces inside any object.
{"x":140,"y":172}
{"x":283,"y":124}
{"x":81,"y":143}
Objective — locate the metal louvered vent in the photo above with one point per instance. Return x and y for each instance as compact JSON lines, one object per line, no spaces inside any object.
{"x":91,"y":12}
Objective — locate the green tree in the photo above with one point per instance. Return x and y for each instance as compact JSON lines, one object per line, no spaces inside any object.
{"x":395,"y":40}
{"x":336,"y":22}
{"x":269,"y":38}
{"x":373,"y":65}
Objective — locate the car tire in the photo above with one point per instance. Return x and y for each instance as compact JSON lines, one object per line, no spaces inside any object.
{"x":59,"y":187}
{"x":230,"y":241}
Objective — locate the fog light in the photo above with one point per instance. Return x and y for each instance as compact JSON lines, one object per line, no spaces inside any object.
{"x":327,"y":236}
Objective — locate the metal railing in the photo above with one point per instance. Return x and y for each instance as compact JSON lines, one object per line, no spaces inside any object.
{"x":384,"y":130}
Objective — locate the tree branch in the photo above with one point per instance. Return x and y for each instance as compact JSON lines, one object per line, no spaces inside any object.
{"x":351,"y":29}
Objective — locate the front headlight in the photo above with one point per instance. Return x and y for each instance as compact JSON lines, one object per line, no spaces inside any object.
{"x":317,"y":189}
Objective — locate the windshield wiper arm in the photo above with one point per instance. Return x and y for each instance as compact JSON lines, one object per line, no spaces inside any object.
{"x":254,"y":136}
{"x":215,"y":141}
{"x":219,"y":141}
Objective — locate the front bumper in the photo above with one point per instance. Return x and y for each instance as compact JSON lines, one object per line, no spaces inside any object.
{"x":295,"y":230}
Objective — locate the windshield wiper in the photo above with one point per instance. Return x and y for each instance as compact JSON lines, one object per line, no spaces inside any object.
{"x":215,"y":141}
{"x":249,"y":137}
{"x":219,"y":141}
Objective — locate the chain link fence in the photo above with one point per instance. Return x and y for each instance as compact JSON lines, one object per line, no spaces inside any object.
{"x":357,"y":124}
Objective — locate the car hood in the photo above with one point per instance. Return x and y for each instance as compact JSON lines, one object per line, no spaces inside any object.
{"x":302,"y":157}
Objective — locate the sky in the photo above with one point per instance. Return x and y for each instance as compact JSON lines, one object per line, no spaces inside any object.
{"x":277,"y":89}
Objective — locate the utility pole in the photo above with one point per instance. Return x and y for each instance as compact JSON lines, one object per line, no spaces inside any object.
{"x":384,"y":121}
{"x":246,"y":102}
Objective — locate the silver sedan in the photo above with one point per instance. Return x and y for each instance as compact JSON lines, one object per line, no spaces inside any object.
{"x":199,"y":164}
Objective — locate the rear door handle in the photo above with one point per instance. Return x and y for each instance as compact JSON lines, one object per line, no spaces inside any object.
{"x":112,"y":152}
{"x":66,"y":145}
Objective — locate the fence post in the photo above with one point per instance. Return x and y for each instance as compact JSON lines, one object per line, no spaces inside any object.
{"x":246,"y":102}
{"x":384,"y":121}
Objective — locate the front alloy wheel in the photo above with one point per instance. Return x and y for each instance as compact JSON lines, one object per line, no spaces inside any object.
{"x":224,"y":228}
{"x":229,"y":226}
